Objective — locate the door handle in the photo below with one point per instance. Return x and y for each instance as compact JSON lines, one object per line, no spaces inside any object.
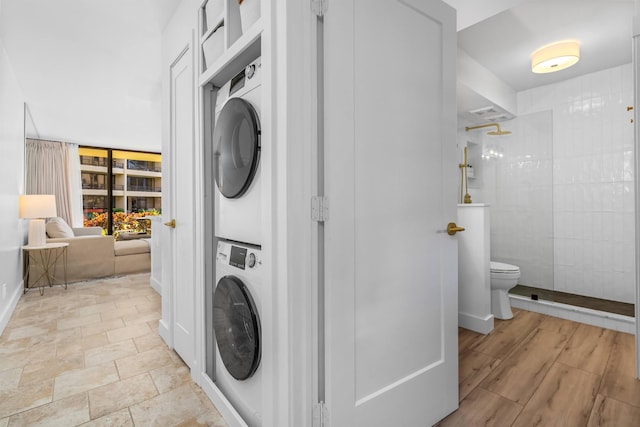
{"x":452,"y":228}
{"x":171,"y":223}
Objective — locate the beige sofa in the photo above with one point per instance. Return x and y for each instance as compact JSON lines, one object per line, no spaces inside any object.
{"x":91,"y":255}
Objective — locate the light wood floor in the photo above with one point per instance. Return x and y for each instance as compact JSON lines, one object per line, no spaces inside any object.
{"x":537,"y":370}
{"x":91,"y":356}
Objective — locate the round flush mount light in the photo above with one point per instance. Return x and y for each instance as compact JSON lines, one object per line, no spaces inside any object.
{"x":555,"y":57}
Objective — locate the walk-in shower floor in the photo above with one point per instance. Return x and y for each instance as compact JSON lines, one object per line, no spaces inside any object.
{"x":577,"y":300}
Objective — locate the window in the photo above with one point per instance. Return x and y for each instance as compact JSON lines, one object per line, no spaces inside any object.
{"x":118,"y":207}
{"x":93,"y":181}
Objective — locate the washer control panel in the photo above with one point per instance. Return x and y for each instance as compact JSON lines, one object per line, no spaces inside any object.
{"x":238,"y":256}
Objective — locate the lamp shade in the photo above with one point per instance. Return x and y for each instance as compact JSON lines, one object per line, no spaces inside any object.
{"x":555,"y":57}
{"x":37,"y":206}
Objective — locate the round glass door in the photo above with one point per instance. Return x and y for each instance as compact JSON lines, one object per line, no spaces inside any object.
{"x":236,"y":154}
{"x":237,"y":327}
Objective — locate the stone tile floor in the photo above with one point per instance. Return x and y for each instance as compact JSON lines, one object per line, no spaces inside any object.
{"x":92,"y":356}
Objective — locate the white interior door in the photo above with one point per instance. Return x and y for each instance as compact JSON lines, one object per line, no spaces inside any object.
{"x":182,"y":206}
{"x":391,"y":269}
{"x":636,"y":82}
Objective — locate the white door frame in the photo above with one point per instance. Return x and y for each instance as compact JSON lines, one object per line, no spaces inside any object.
{"x":289,"y":178}
{"x":636,"y":182}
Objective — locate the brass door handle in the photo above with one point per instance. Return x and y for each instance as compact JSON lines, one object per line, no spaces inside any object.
{"x":171,"y":223}
{"x":452,"y":228}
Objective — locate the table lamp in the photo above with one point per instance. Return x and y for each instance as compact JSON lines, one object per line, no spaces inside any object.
{"x":36,"y":207}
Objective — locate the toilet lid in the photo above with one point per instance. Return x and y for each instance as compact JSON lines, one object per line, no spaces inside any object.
{"x":502,"y":267}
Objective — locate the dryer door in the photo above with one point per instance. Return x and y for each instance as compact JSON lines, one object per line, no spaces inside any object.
{"x":237,"y":327}
{"x":236,"y":142}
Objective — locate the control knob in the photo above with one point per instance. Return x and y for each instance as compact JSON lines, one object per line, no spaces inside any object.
{"x":250,"y":70}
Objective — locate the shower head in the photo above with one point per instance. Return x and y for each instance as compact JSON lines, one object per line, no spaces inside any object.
{"x":498,"y":130}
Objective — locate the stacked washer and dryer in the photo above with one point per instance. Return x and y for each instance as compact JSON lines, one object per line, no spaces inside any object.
{"x":237,"y":215}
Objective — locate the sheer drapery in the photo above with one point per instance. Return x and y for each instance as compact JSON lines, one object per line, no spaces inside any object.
{"x":54,"y":168}
{"x":75,"y":185}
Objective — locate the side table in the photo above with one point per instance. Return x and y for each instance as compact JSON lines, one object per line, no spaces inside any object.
{"x":43,"y":260}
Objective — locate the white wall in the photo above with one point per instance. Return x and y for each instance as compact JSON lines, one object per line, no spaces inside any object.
{"x":483,"y":82}
{"x":90,"y":71}
{"x":593,"y":190}
{"x":11,"y":184}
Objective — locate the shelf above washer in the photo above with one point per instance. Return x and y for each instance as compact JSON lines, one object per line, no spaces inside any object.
{"x":243,"y":51}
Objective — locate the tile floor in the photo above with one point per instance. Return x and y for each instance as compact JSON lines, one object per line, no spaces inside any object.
{"x":91,"y":356}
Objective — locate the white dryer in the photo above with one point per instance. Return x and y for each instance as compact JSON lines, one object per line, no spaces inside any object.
{"x":236,"y":157}
{"x":236,"y":325}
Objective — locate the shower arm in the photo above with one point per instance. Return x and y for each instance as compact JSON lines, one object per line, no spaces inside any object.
{"x":498,"y":130}
{"x":468,"y":128}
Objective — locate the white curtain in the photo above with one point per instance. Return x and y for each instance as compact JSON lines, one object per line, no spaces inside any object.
{"x":75,"y":186}
{"x":53,"y":167}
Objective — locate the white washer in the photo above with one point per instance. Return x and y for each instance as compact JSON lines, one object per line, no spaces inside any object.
{"x":236,"y":158}
{"x":236,"y":322}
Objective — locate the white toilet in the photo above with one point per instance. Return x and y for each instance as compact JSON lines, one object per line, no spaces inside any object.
{"x":503,"y":278}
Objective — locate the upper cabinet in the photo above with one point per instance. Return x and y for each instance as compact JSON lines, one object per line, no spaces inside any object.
{"x":230,"y":32}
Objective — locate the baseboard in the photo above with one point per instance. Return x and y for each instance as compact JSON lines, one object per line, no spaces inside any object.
{"x":602,"y":319}
{"x":5,"y":316}
{"x":165,"y":333}
{"x":156,"y":285}
{"x":221,"y":403}
{"x":475,"y":323}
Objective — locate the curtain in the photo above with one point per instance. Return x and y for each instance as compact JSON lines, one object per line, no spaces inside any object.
{"x":75,"y":186}
{"x":54,"y":168}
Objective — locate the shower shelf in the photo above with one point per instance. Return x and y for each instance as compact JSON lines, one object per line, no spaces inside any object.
{"x":475,"y":159}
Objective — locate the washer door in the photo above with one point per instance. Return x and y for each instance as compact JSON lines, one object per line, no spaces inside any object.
{"x":237,"y":327}
{"x":236,"y":141}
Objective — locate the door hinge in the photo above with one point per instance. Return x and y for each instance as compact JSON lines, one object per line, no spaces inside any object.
{"x":319,"y":209}
{"x":319,"y":7}
{"x":320,"y":415}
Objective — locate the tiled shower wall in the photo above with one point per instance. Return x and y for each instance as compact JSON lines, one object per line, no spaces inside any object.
{"x":592,"y":181}
{"x":518,"y":183}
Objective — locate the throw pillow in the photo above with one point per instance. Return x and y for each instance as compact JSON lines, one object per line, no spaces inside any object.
{"x":57,"y":227}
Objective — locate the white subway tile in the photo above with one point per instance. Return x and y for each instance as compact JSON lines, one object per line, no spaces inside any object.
{"x":585,"y":184}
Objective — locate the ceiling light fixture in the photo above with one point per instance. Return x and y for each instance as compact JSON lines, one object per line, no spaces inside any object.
{"x":555,"y":57}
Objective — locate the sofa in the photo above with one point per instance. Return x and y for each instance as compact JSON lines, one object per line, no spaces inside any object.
{"x":91,"y":255}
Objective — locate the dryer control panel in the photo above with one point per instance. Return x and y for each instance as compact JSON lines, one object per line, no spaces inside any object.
{"x":245,"y":81}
